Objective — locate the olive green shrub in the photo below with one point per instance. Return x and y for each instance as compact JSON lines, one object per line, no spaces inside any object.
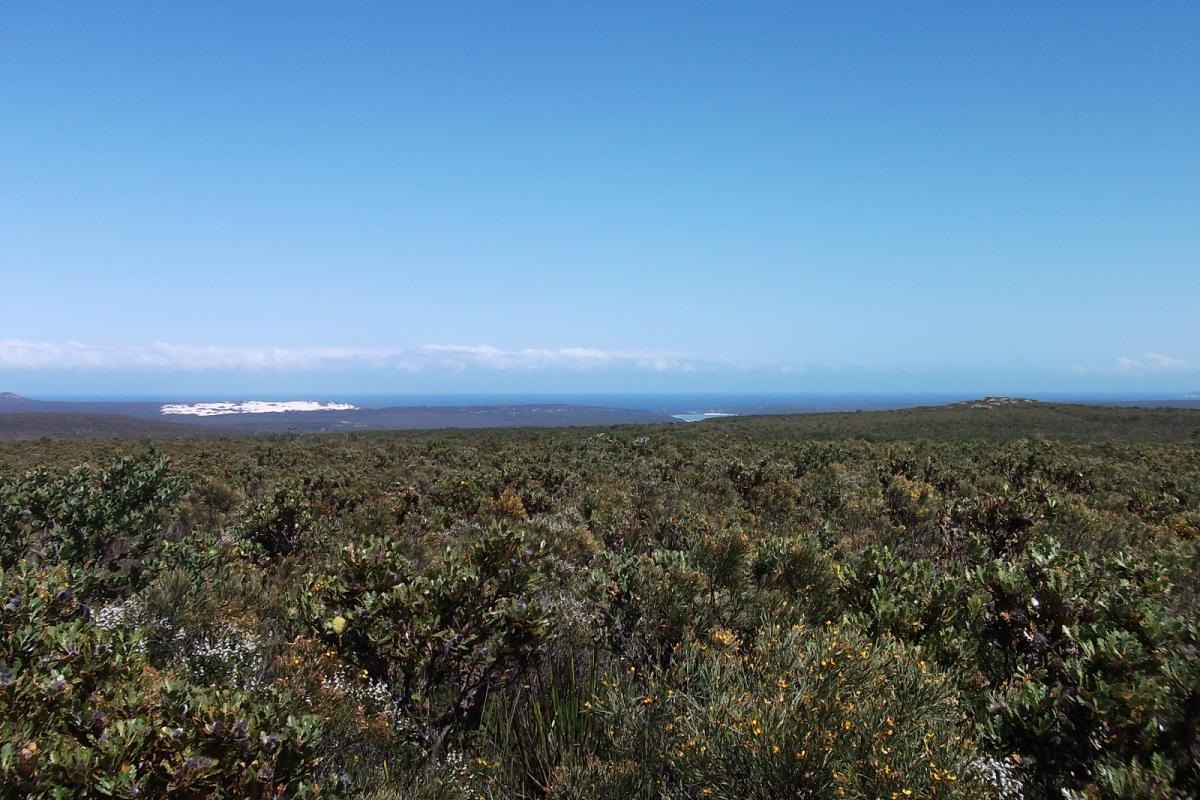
{"x":442,"y":639}
{"x":811,"y":711}
{"x":84,"y":714}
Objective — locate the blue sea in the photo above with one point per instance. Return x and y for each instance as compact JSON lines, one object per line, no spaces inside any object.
{"x":689,"y":407}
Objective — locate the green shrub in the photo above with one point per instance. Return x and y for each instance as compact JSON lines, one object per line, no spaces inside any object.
{"x":83,"y":714}
{"x":279,"y":525}
{"x":800,"y":570}
{"x":803,"y":711}
{"x":1105,"y":695}
{"x":1051,"y":590}
{"x":108,"y":524}
{"x":651,"y":601}
{"x":442,"y":639}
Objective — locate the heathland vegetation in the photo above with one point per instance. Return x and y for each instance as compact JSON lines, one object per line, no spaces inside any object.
{"x":967,"y":602}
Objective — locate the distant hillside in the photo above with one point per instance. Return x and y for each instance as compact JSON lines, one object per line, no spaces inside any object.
{"x":12,"y":403}
{"x":25,"y":426}
{"x":20,"y":417}
{"x":427,"y":417}
{"x":986,"y":418}
{"x":991,"y":419}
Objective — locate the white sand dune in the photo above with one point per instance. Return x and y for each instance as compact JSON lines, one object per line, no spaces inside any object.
{"x":252,"y":407}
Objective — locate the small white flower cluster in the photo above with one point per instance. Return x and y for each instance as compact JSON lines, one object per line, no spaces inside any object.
{"x":456,"y":776}
{"x":373,"y":694}
{"x":126,"y":614}
{"x":1001,"y":775}
{"x":567,"y":522}
{"x":377,"y":692}
{"x":232,"y":652}
{"x":573,"y":614}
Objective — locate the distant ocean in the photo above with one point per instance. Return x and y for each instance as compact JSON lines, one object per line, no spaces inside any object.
{"x":695,"y":405}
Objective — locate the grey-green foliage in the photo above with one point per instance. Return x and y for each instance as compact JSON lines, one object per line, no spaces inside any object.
{"x":108,"y":523}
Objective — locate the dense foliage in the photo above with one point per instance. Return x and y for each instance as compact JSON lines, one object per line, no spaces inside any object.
{"x":711,"y":611}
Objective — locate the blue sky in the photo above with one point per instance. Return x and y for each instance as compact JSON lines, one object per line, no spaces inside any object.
{"x":993,"y":197}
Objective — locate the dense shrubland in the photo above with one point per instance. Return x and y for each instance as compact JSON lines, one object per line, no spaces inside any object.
{"x":710,"y":612}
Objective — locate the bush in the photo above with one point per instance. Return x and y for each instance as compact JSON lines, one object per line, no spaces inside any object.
{"x":108,"y":524}
{"x":809,"y":711}
{"x":83,"y":714}
{"x":621,"y":614}
{"x":440,"y":640}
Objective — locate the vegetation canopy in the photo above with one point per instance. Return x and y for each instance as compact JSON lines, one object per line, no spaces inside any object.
{"x":953,"y":603}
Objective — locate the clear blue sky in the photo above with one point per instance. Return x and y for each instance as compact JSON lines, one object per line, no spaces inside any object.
{"x":344,"y":197}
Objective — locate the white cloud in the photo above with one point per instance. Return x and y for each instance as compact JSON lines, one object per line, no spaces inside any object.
{"x":33,"y":355}
{"x":1146,"y":363}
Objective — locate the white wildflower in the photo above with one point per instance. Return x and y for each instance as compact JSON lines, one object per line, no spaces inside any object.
{"x":1001,"y":775}
{"x":125,"y":614}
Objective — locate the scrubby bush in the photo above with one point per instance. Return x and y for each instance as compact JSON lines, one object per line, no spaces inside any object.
{"x":106,"y":523}
{"x":84,"y":714}
{"x":440,"y":639}
{"x":685,"y":611}
{"x":809,"y":711}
